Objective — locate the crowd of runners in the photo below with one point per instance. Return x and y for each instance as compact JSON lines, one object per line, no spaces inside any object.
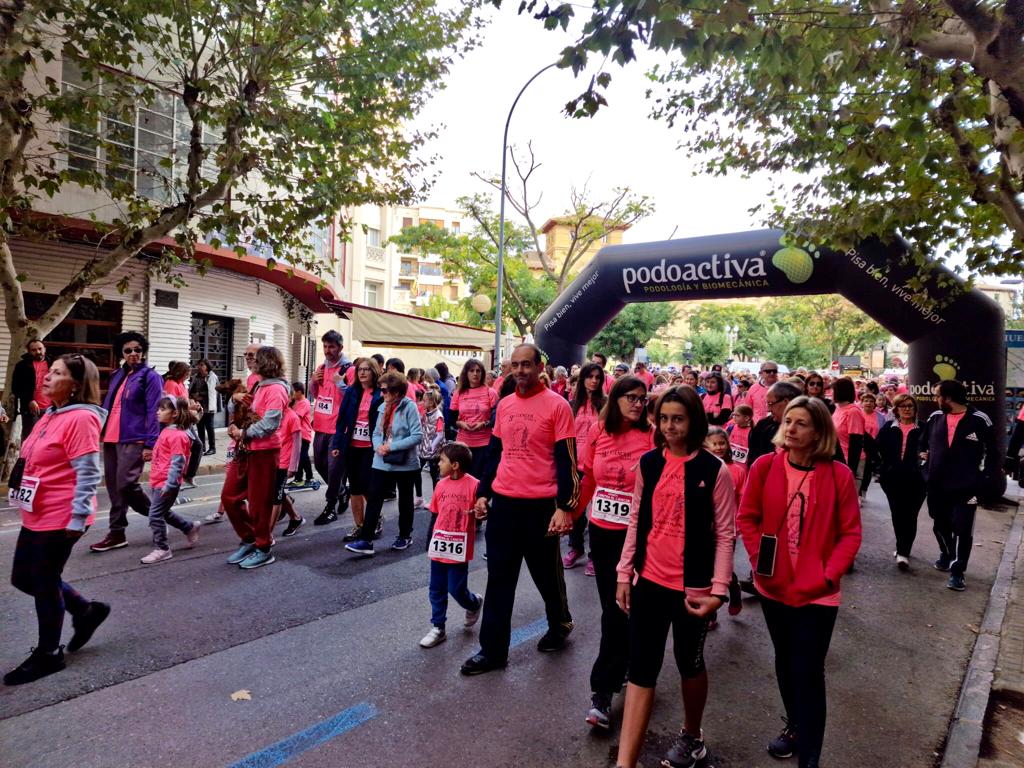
{"x":651,"y":475}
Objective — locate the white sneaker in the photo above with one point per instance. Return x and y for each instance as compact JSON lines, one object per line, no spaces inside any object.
{"x":473,"y":616}
{"x":192,"y":537}
{"x":903,"y":563}
{"x":213,"y":517}
{"x":157,"y":556}
{"x":435,"y":636}
{"x":418,"y":502}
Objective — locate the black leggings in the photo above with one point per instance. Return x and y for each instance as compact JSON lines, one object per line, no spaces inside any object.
{"x":613,"y":657}
{"x":206,"y":434}
{"x":652,"y":610}
{"x":905,"y":495}
{"x":381,"y":482}
{"x":801,"y":637}
{"x":39,"y":559}
{"x":304,"y":474}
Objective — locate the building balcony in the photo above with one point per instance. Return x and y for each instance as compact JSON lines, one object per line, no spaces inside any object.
{"x":376,"y":255}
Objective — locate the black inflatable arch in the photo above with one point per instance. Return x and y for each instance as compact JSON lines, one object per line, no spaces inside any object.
{"x":959,"y":337}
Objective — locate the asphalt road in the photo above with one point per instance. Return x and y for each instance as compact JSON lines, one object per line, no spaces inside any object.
{"x":326,"y":646}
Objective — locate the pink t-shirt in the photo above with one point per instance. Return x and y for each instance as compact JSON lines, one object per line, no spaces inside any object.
{"x":252,"y":380}
{"x":453,"y":502}
{"x":41,"y":368}
{"x":609,"y":382}
{"x":757,"y":398}
{"x":57,"y":439}
{"x":648,"y":378}
{"x":363,"y":421}
{"x":528,"y":428}
{"x":290,"y":425}
{"x":304,"y":411}
{"x":269,"y":397}
{"x":327,"y":400}
{"x":798,"y":480}
{"x":475,"y":405}
{"x":171,"y":442}
{"x":849,"y":420}
{"x":871,"y":424}
{"x":174,"y":388}
{"x":113,"y":431}
{"x":712,"y":406}
{"x":952,"y":420}
{"x":906,"y":429}
{"x":612,"y":462}
{"x":1020,"y":414}
{"x":739,"y":478}
{"x":584,"y":421}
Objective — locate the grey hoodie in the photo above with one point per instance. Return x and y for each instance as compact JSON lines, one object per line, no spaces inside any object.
{"x":87,"y":470}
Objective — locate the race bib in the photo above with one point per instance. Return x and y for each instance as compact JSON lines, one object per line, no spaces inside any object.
{"x":362,"y":431}
{"x":324,"y":406}
{"x":24,"y":496}
{"x":448,"y":545}
{"x":739,"y":455}
{"x":611,"y":506}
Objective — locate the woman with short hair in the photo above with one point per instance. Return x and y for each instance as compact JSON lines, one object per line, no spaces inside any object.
{"x":472,"y":413}
{"x":900,"y":475}
{"x":800,"y":523}
{"x":848,"y":419}
{"x":353,"y":437}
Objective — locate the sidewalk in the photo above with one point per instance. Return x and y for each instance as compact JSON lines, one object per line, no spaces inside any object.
{"x":987,"y":728}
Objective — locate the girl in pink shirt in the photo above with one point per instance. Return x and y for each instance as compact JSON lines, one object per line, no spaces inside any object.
{"x":174,"y":381}
{"x":675,"y":569}
{"x":587,"y":405}
{"x":54,"y":485}
{"x":166,"y":472}
{"x":717,"y":442}
{"x":304,"y":411}
{"x":739,"y":432}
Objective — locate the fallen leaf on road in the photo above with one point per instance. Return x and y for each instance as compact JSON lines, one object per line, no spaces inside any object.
{"x":929,"y":626}
{"x":242,"y":695}
{"x":974,"y":628}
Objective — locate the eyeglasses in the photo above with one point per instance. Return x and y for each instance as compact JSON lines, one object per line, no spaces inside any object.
{"x":908,"y":406}
{"x":364,"y":370}
{"x":250,"y":355}
{"x":769,"y":370}
{"x":635,"y":399}
{"x":132,"y":350}
{"x":815,"y":383}
{"x":770,"y":403}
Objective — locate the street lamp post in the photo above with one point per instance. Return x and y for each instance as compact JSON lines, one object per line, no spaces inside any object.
{"x":732,"y":332}
{"x":501,"y":218}
{"x":689,"y":352}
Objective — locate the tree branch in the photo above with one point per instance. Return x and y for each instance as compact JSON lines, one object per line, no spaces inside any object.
{"x":978,"y":20}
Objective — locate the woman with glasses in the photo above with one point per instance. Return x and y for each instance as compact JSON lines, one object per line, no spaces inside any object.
{"x":900,"y":475}
{"x":587,"y":405}
{"x":815,"y":387}
{"x":353,"y":435}
{"x":614,"y":446}
{"x":800,"y":523}
{"x":717,"y":400}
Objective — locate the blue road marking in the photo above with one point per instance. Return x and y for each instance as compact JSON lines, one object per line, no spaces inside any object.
{"x":294,"y":745}
{"x":528,"y":631}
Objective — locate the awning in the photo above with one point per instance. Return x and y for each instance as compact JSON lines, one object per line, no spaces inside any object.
{"x":384,"y":328}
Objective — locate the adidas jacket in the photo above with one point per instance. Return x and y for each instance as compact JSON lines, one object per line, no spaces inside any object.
{"x":967,"y":467}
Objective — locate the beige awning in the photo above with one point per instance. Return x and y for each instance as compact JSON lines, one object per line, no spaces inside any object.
{"x":381,"y":327}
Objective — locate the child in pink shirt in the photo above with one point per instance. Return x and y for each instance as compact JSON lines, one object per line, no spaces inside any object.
{"x":717,"y":442}
{"x":170,"y":456}
{"x":451,"y":541}
{"x":739,"y":432}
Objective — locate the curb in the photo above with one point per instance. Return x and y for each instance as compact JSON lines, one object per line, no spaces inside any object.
{"x":963,"y":741}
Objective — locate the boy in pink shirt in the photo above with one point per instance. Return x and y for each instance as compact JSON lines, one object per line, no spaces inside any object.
{"x":451,"y":541}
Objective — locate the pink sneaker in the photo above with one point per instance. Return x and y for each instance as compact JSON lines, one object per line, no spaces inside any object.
{"x":192,"y":537}
{"x":157,"y":556}
{"x":589,"y":570}
{"x":571,"y":559}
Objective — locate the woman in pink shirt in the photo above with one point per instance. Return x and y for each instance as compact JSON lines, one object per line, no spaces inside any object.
{"x":718,"y":402}
{"x":586,"y":410}
{"x":675,"y":569}
{"x":848,"y":419}
{"x":615,"y":445}
{"x":54,"y":485}
{"x":174,"y":379}
{"x":472,"y":411}
{"x":800,"y":523}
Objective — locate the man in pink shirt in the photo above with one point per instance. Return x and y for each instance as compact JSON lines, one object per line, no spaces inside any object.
{"x":757,"y":396}
{"x":326,"y":390}
{"x":28,"y":385}
{"x":532,"y":483}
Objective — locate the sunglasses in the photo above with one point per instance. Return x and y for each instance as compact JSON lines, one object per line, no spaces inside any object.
{"x":769,"y":370}
{"x":132,"y":350}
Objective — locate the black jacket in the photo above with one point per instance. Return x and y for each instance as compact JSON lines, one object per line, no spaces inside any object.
{"x":349,"y":411}
{"x":967,"y":468}
{"x":897,"y":463}
{"x":24,"y":383}
{"x":759,"y":441}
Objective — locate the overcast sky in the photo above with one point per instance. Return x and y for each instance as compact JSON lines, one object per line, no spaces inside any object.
{"x":621,"y":146}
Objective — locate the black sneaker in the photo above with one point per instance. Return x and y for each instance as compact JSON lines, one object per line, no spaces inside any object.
{"x":354,"y":535}
{"x":87,"y":623}
{"x":38,"y":664}
{"x":956,"y":582}
{"x":554,"y":640}
{"x":327,"y":516}
{"x":343,"y":500}
{"x":380,"y":529}
{"x":942,"y":564}
{"x":293,"y":526}
{"x":600,"y":714}
{"x":479,"y":664}
{"x":686,"y":751}
{"x":784,"y":745}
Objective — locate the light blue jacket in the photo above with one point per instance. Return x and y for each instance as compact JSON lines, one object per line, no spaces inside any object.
{"x":406,"y":433}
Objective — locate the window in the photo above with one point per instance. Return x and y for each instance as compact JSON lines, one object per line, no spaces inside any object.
{"x":372,"y":293}
{"x":430,"y":269}
{"x":439,"y":223}
{"x":373,"y":237}
{"x":455,"y":227}
{"x":406,"y":222}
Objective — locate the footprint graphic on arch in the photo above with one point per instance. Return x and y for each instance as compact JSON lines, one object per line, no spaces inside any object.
{"x":945,"y":367}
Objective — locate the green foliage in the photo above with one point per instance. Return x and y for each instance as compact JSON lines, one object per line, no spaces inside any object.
{"x":786,"y":346}
{"x":747,"y":317}
{"x":633,"y":327}
{"x":457,"y":311}
{"x":709,"y":347}
{"x":904,"y":121}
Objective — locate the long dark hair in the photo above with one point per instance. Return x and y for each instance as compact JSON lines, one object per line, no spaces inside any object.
{"x":464,"y":375}
{"x":611,"y":416}
{"x":597,"y":398}
{"x":686,"y":396}
{"x":721,"y":386}
{"x":86,"y":377}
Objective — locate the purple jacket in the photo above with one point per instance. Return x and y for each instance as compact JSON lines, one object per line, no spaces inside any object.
{"x":139,"y":397}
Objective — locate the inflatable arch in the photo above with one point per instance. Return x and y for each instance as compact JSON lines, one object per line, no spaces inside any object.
{"x":961,"y":339}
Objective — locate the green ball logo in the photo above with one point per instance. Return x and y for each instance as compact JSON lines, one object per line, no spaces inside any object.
{"x":795,"y":263}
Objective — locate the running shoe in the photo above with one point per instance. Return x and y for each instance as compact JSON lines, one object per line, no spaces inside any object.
{"x":600,"y":713}
{"x":354,"y":534}
{"x":435,"y":636}
{"x":902,"y":562}
{"x":399,"y":543}
{"x":192,"y":537}
{"x":589,"y":570}
{"x":554,"y":640}
{"x":784,"y":745}
{"x":479,"y":664}
{"x":956,"y":582}
{"x":571,"y":559}
{"x":214,"y":517}
{"x":209,"y":452}
{"x":417,"y":503}
{"x":380,"y":528}
{"x":241,"y":553}
{"x":157,"y":556}
{"x":686,"y":752}
{"x":361,"y":547}
{"x":257,"y":559}
{"x":38,"y":664}
{"x":113,"y":540}
{"x":473,"y":616}
{"x":86,"y":624}
{"x":327,"y":516}
{"x":942,"y":564}
{"x":293,"y":526}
